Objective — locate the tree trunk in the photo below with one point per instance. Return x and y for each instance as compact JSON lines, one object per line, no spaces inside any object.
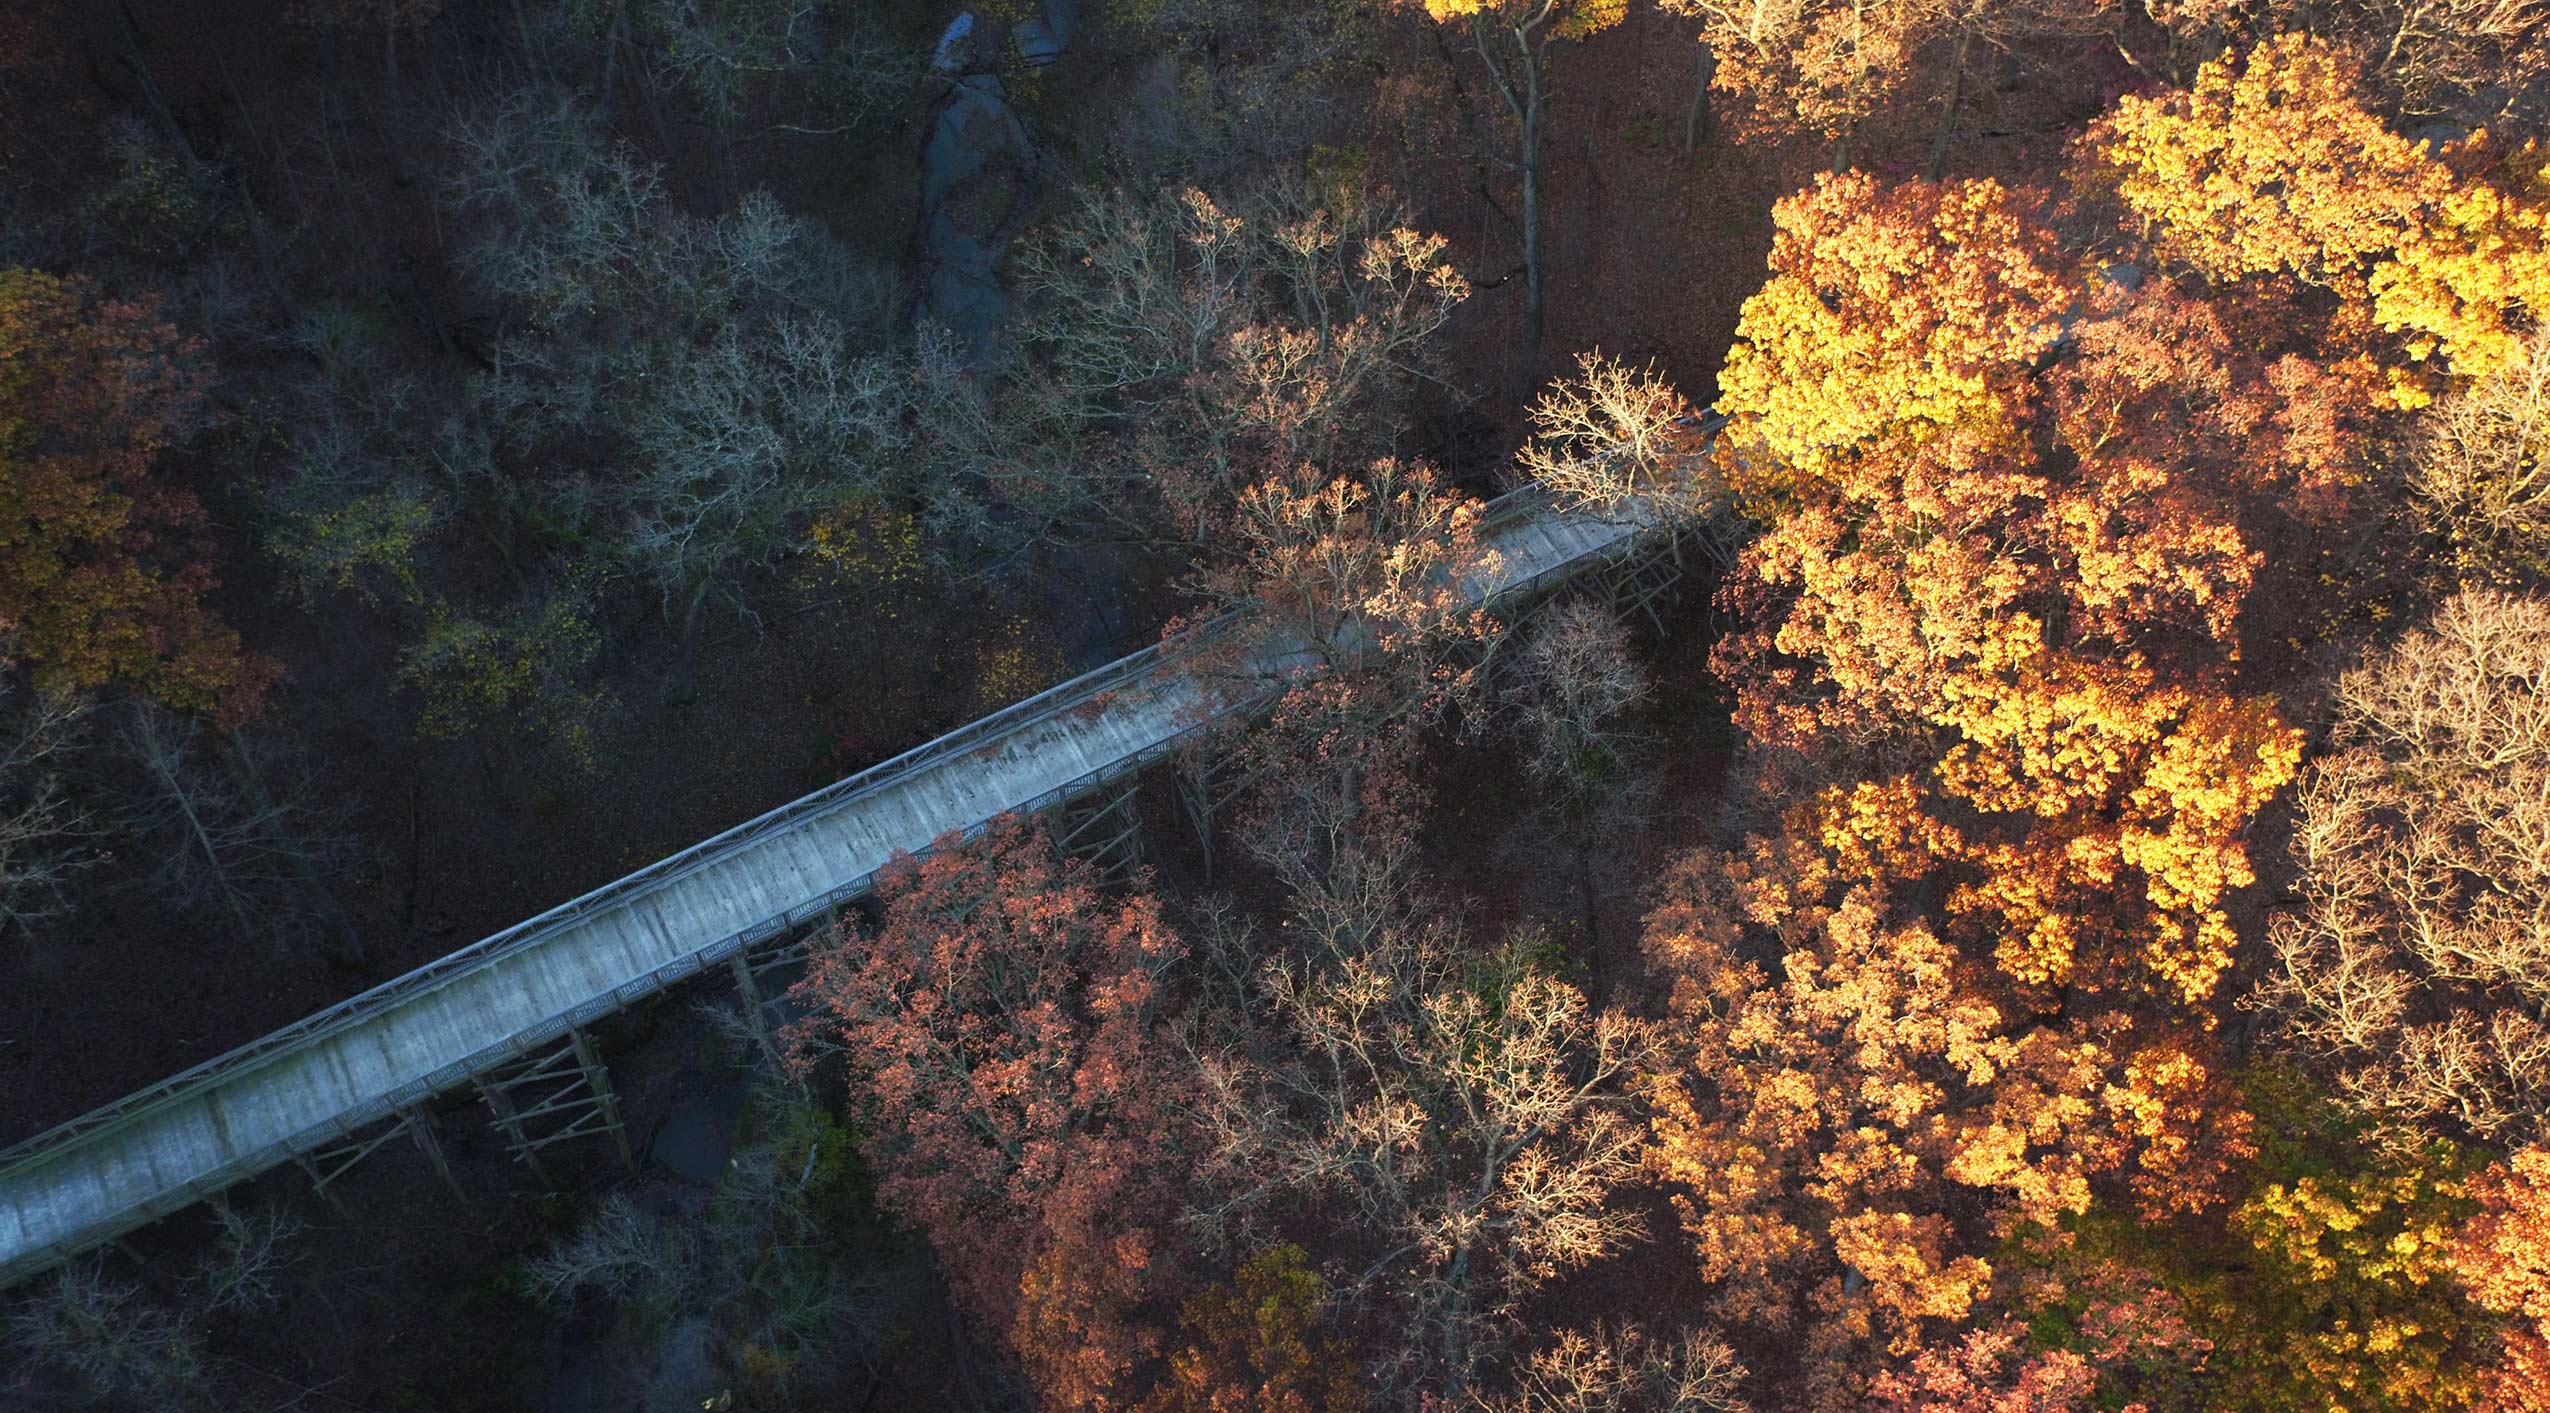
{"x":1528,"y":373}
{"x":1520,"y":87}
{"x":130,"y":31}
{"x":686,"y":671}
{"x":532,"y":57}
{"x":1587,"y":899}
{"x":1695,"y":124}
{"x":343,"y":941}
{"x":1948,"y":119}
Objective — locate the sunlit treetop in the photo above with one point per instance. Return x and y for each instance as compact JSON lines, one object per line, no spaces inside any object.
{"x":2274,"y":164}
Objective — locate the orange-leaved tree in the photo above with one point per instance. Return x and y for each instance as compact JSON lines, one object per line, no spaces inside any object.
{"x":1988,"y":1371}
{"x":1992,"y":604}
{"x":999,"y":1028}
{"x":1847,"y":1139}
{"x":2503,"y":1257}
{"x":100,"y":581}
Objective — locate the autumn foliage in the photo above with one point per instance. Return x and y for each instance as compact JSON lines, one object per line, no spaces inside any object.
{"x":2084,"y":823}
{"x":999,"y":1028}
{"x":2503,"y":1255}
{"x":2022,"y":462}
{"x":101,"y":577}
{"x":1996,"y":588}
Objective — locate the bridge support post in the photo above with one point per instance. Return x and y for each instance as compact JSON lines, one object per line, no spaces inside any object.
{"x":1206,"y":787}
{"x":330,"y":1162}
{"x":756,"y":1012}
{"x":1647,"y":579}
{"x":1195,"y":794}
{"x":420,"y":1124}
{"x":566,"y":1087}
{"x":1104,"y":827}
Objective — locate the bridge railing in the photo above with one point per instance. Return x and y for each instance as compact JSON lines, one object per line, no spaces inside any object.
{"x":488,"y":951}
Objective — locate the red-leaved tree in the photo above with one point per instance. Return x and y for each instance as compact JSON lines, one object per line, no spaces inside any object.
{"x":999,"y":1030}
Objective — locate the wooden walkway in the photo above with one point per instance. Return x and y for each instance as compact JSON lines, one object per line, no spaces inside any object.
{"x":309,"y":1088}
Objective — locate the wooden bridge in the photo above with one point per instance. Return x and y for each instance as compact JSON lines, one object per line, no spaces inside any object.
{"x":506,"y":1013}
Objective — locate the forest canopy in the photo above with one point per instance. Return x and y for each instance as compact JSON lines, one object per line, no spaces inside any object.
{"x":2025,"y":885}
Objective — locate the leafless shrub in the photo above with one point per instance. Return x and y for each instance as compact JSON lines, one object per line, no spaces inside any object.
{"x":109,"y":1336}
{"x":1620,"y":1369}
{"x":254,"y":1250}
{"x":1462,"y":1110}
{"x":44,"y":835}
{"x":2417,"y":962}
{"x":221,"y":841}
{"x":2482,"y":469}
{"x":1614,"y":433}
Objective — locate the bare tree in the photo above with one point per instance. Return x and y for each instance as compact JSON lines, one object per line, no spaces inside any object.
{"x":713,"y":351}
{"x":1621,"y":1369}
{"x":108,"y":1335}
{"x":1461,"y":1112}
{"x":839,"y":59}
{"x":1337,"y":829}
{"x":1574,"y":680}
{"x":43,"y":834}
{"x":1573,"y":683}
{"x":243,"y":1271}
{"x":1512,"y":39}
{"x":222,"y":843}
{"x":654,"y":1262}
{"x":781,"y":1286}
{"x":1357,"y":618}
{"x":753,"y":1270}
{"x":1613,"y":434}
{"x":2416,"y":964}
{"x":2482,"y":468}
{"x":1362,"y":585}
{"x":2479,"y":62}
{"x":1223,"y":339}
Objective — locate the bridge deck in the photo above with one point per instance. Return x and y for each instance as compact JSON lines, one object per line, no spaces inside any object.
{"x":317,"y":1081}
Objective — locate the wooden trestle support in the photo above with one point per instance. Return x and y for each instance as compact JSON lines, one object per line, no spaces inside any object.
{"x":1104,"y":827}
{"x":751,"y":970}
{"x":1647,"y":581}
{"x":565,"y":1091}
{"x":327,"y":1164}
{"x":1208,"y":783}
